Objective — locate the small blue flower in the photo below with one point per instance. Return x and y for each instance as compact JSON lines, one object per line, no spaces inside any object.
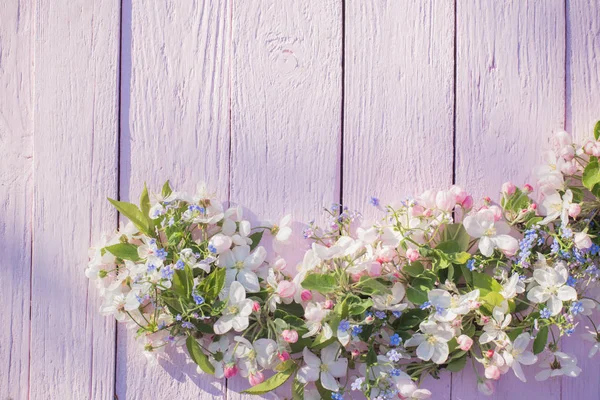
{"x":336,"y":396}
{"x":374,"y":201}
{"x":178,"y":317}
{"x":439,"y":310}
{"x":380,"y":314}
{"x":577,"y":308}
{"x":187,"y":325}
{"x":425,"y":305}
{"x":179,"y":265}
{"x":571,"y":281}
{"x":570,"y":331}
{"x":395,"y":340}
{"x":344,"y":325}
{"x":161,"y":253}
{"x":356,"y":330}
{"x":471,"y":264}
{"x":212,"y":249}
{"x":167,"y":272}
{"x":395,"y":372}
{"x":151,"y":267}
{"x":545,"y":313}
{"x":397,"y":314}
{"x":197,"y":298}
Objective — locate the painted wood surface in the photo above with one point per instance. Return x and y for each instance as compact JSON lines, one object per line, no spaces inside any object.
{"x":174,"y":126}
{"x":75,"y":168}
{"x":282,"y":106}
{"x":510,"y":98}
{"x":16,"y":195}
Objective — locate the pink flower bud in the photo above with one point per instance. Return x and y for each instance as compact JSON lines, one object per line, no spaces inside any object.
{"x":582,"y":241}
{"x":588,"y":148}
{"x":290,"y":335}
{"x":417,"y":211}
{"x":492,"y":372}
{"x":412,"y":255}
{"x":508,"y":188}
{"x":286,"y":289}
{"x":279,"y":264}
{"x":574,"y":210}
{"x":596,"y":150}
{"x":256,"y":306}
{"x":369,"y":320}
{"x":230,"y":370}
{"x":283,"y":356}
{"x":562,"y":139}
{"x":489,"y":353}
{"x":464,"y":342}
{"x":255,"y":378}
{"x":328,"y":304}
{"x":533,"y":206}
{"x":528,"y":188}
{"x":567,"y":152}
{"x":467,"y":204}
{"x":485,"y":319}
{"x":459,"y":193}
{"x":306,"y":295}
{"x":355,"y":353}
{"x":445,"y":200}
{"x":569,"y":167}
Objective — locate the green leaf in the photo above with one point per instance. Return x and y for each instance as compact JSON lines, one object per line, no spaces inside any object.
{"x":198,"y":355}
{"x":256,"y":238}
{"x":211,"y":286}
{"x":597,"y":130}
{"x":166,"y":189}
{"x":458,"y":234}
{"x":133,"y":213}
{"x":325,"y":394}
{"x":371,"y":356}
{"x":298,"y":390}
{"x":467,"y":274}
{"x":539,"y":343}
{"x":413,"y":269}
{"x":512,"y":335}
{"x":145,"y":202}
{"x":124,"y":251}
{"x":360,"y":308}
{"x":273,"y":382}
{"x":416,"y":296}
{"x":459,"y":258}
{"x":322,"y":283}
{"x":183,"y":282}
{"x":457,"y":364}
{"x":591,"y":175}
{"x":372,"y":286}
{"x":491,"y":300}
{"x":449,"y":246}
{"x":410,"y":319}
{"x":485,"y":283}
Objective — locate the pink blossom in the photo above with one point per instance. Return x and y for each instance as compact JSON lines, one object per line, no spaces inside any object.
{"x":562,"y":139}
{"x":230,"y":370}
{"x":460,"y":194}
{"x":445,"y":200}
{"x":574,"y":210}
{"x":255,"y":378}
{"x":290,"y":335}
{"x":492,"y":372}
{"x":527,"y":188}
{"x":508,"y":188}
{"x":256,"y":306}
{"x":286,"y":289}
{"x":582,"y":240}
{"x":412,"y":255}
{"x":497,"y":212}
{"x":467,"y":204}
{"x":279,"y":264}
{"x":588,"y":148}
{"x":328,"y":304}
{"x":306,"y":295}
{"x":464,"y":342}
{"x":283,"y":356}
{"x":375,"y":269}
{"x":569,"y":167}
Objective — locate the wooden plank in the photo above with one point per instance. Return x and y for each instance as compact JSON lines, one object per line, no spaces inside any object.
{"x":510,"y":96}
{"x":174,"y":125}
{"x":398,"y":100}
{"x":286,"y":114}
{"x":75,"y":161}
{"x":16,"y":193}
{"x":583,"y":110}
{"x":398,"y":111}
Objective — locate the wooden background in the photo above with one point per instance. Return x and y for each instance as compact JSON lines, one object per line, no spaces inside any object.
{"x":281,"y":105}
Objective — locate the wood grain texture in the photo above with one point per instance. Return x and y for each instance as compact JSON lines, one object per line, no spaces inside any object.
{"x":174,"y":125}
{"x":510,"y":96}
{"x":398,"y":107}
{"x":286,"y":113}
{"x":398,"y":100}
{"x":16,"y":193}
{"x":75,"y":167}
{"x":583,"y":110}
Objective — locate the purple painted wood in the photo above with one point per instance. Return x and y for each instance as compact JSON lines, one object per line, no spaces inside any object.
{"x":174,"y":125}
{"x":510,"y":96}
{"x":265,"y":77}
{"x":75,"y":163}
{"x":16,"y":194}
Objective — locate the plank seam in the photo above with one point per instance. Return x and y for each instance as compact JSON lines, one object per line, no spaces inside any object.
{"x":342,"y":108}
{"x":454,"y":79}
{"x":229,"y":161}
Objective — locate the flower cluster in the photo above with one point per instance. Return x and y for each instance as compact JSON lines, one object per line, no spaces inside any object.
{"x":438,"y":281}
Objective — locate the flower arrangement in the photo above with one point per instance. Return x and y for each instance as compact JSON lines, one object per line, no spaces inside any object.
{"x":436,"y":283}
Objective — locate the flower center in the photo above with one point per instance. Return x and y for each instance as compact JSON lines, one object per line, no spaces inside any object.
{"x":324,"y":368}
{"x":555,"y":364}
{"x":233,"y":310}
{"x":491,"y":231}
{"x":431,"y":339}
{"x":239,"y":265}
